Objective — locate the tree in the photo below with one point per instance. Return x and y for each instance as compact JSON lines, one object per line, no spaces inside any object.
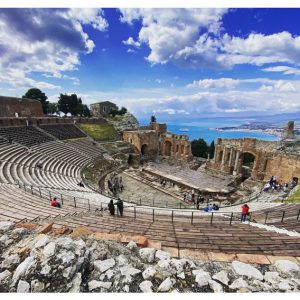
{"x":199,"y":148}
{"x":119,"y":112}
{"x":86,"y":111}
{"x":37,"y":94}
{"x":52,"y":108}
{"x":70,"y":104}
{"x":212,"y":149}
{"x":153,"y":119}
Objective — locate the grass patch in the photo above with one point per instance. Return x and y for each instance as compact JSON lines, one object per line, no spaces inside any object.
{"x":295,"y":198}
{"x":100,"y":132}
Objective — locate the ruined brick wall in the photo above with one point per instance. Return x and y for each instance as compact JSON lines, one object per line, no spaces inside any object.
{"x":24,"y":107}
{"x":102,"y":108}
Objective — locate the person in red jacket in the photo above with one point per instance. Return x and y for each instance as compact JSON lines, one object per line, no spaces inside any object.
{"x":53,"y":202}
{"x":245,"y":210}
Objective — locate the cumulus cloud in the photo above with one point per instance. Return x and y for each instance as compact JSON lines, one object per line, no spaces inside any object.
{"x":46,"y":41}
{"x":194,"y":38}
{"x":286,"y":70}
{"x":131,"y":42}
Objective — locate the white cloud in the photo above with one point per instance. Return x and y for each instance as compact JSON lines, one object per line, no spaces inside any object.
{"x":44,"y":41}
{"x":131,"y":42}
{"x":131,"y":50}
{"x":286,"y":70}
{"x":228,"y":83}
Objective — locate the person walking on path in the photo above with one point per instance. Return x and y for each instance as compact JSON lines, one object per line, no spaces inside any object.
{"x":245,"y":211}
{"x":120,"y":207}
{"x":111,"y":207}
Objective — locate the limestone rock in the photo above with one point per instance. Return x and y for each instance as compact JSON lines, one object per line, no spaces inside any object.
{"x":286,"y":266}
{"x":10,"y":261}
{"x":103,"y":265}
{"x":40,"y":241}
{"x":149,"y":272}
{"x":272,"y":277}
{"x":160,"y":255}
{"x":94,"y":284}
{"x":49,"y":250}
{"x":23,"y":287}
{"x":146,"y":286}
{"x":131,"y":245}
{"x":147,"y":254}
{"x":128,"y":272}
{"x":181,"y":275}
{"x":3,"y":238}
{"x":284,"y":285}
{"x":76,"y":282}
{"x":6,"y":226}
{"x":239,"y":284}
{"x":215,"y":286}
{"x":202,"y":278}
{"x":222,"y":277}
{"x":37,"y":286}
{"x":122,"y":260}
{"x":22,"y":268}
{"x":247,"y":270}
{"x":5,"y":277}
{"x":166,"y":285}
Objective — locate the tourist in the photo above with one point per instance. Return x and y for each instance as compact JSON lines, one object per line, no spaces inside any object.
{"x":39,"y":164}
{"x":245,"y":212}
{"x":285,"y":187}
{"x":120,"y":207}
{"x":215,"y":207}
{"x":53,"y":202}
{"x":58,"y":204}
{"x":111,"y":207}
{"x":198,"y":202}
{"x":266,"y":187}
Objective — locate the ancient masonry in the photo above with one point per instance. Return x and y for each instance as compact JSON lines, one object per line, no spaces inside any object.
{"x":102,"y":109}
{"x":280,"y":159}
{"x":154,"y":140}
{"x":20,"y":107}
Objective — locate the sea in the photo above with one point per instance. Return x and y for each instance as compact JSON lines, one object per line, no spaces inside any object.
{"x":206,"y":129}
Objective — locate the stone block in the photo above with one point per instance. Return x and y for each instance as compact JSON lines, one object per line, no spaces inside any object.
{"x":172,"y":250}
{"x":61,"y":230}
{"x":29,"y":226}
{"x":273,"y":258}
{"x":46,"y":228}
{"x":219,"y":256}
{"x":156,"y":245}
{"x":80,"y":232}
{"x":253,"y":259}
{"x":193,"y":254}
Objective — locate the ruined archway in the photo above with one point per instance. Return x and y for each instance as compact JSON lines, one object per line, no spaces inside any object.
{"x":168,"y":146}
{"x":144,"y":149}
{"x":130,"y":160}
{"x":248,"y":160}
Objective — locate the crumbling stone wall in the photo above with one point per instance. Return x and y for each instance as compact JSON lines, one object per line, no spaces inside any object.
{"x":102,"y":108}
{"x":229,"y":155}
{"x":9,"y":106}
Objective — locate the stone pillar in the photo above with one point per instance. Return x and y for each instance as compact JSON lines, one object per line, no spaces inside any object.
{"x":230,"y":158}
{"x":236,"y":164}
{"x":224,"y":155}
{"x":216,"y":153}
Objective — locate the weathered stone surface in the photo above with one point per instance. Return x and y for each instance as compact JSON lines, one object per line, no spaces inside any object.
{"x":238,"y":284}
{"x":128,"y":272}
{"x":23,"y":287}
{"x":284,"y":285}
{"x":131,"y":245}
{"x":253,"y":259}
{"x":272,"y":277}
{"x":49,"y":250}
{"x":10,"y":261}
{"x":286,"y":266}
{"x":162,"y":255}
{"x":29,"y":226}
{"x":19,"y":231}
{"x":80,"y":231}
{"x":61,"y":230}
{"x":202,"y":277}
{"x":181,"y":275}
{"x":94,"y":284}
{"x":274,"y":258}
{"x":147,"y":254}
{"x":5,"y":276}
{"x":40,"y":241}
{"x":225,"y":257}
{"x":246,"y":270}
{"x":166,"y":285}
{"x":222,"y":276}
{"x":157,"y":245}
{"x":46,"y":228}
{"x":149,"y":272}
{"x":187,"y":253}
{"x":76,"y":282}
{"x":5,"y":226}
{"x":22,"y":268}
{"x":37,"y":286}
{"x":122,"y":260}
{"x":215,"y":286}
{"x":146,"y":286}
{"x":103,"y":265}
{"x":3,"y":238}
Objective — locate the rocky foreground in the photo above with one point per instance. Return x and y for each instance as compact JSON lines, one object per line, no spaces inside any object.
{"x":35,"y":262}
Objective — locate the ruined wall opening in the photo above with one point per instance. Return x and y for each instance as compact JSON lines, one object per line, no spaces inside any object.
{"x":220,"y":156}
{"x":247,"y":165}
{"x":168,"y":146}
{"x":130,"y":160}
{"x":144,"y":149}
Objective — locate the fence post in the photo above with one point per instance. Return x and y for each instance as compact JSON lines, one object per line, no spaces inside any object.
{"x":180,"y":205}
{"x":50,"y":195}
{"x":101,"y":206}
{"x":31,"y":190}
{"x":283,"y":213}
{"x":172,"y":215}
{"x":40,"y":192}
{"x":74,"y":202}
{"x":250,"y":217}
{"x":134,"y":209}
{"x":192,"y":217}
{"x":153,"y":215}
{"x":140,"y":200}
{"x":211,"y":218}
{"x":89,"y":204}
{"x":167,"y":204}
{"x":153,"y":202}
{"x":231,"y":218}
{"x":61,"y":198}
{"x":298,"y":215}
{"x":24,"y":187}
{"x":266,"y":217}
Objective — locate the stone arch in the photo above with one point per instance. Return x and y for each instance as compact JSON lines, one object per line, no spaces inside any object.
{"x":130,"y":160}
{"x":248,"y":161}
{"x":168,"y":146}
{"x":144,"y":149}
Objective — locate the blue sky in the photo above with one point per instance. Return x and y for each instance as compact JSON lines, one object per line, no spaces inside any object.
{"x":179,"y":64}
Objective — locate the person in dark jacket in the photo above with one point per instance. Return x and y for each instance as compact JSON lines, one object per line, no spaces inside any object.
{"x":111,"y":207}
{"x":120,"y":207}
